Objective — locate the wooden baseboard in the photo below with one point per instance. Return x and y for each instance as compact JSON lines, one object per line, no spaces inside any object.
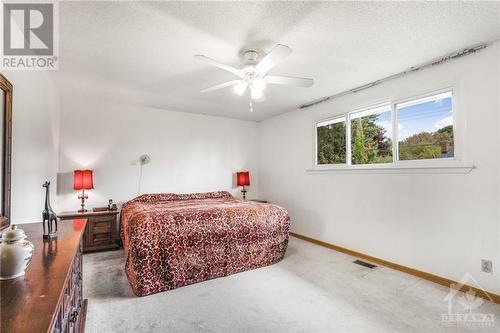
{"x":427,"y":276}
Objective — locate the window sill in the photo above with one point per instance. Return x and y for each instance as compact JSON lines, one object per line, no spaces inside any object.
{"x":457,"y":169}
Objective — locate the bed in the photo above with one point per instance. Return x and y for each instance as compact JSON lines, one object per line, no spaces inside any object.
{"x":173,"y":240}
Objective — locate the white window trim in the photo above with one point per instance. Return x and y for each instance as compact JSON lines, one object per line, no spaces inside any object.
{"x":450,"y":165}
{"x":376,"y":109}
{"x":324,"y":122}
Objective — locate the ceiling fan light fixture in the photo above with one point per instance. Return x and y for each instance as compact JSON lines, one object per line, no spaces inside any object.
{"x":258,"y":84}
{"x":240,"y":88}
{"x":256,"y":94}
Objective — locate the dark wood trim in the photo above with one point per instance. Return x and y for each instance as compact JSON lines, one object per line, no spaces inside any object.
{"x":78,"y":215}
{"x":83,"y":316}
{"x":114,"y":246}
{"x":258,"y":200}
{"x":423,"y":275}
{"x":6,"y":86}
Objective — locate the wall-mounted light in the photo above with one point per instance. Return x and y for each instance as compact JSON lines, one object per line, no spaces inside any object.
{"x":145,"y":159}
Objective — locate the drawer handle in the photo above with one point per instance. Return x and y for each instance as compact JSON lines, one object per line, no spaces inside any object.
{"x":74,"y":317}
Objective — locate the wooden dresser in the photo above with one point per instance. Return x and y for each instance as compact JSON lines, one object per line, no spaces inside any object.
{"x":101,"y":231}
{"x":48,"y":298}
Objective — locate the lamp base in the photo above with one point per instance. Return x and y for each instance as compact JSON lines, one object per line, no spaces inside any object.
{"x":244,"y":193}
{"x":82,"y":197}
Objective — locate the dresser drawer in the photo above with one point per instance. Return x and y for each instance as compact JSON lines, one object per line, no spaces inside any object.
{"x":96,"y":219}
{"x":102,"y":239}
{"x":102,"y":227}
{"x":71,"y":309}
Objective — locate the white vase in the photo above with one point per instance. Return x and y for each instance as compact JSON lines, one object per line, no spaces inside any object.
{"x":15,"y":253}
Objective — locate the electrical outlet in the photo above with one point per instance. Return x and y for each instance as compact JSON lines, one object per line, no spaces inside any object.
{"x":486,"y":266}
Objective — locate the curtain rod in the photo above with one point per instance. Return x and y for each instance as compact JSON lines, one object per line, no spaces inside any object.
{"x":435,"y":62}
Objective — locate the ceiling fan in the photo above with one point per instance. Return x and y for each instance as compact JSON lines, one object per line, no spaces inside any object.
{"x":253,"y":77}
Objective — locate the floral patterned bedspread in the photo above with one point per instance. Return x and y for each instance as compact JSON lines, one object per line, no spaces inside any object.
{"x":173,"y":240}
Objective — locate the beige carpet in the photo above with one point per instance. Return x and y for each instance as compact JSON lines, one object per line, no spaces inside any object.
{"x":312,"y":290}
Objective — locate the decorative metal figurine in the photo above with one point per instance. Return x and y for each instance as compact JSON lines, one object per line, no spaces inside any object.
{"x":49,"y":217}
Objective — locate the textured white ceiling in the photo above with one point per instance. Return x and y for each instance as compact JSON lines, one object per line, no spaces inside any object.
{"x":142,"y":52}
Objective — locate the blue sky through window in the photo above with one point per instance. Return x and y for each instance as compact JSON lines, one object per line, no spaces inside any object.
{"x":384,"y":120}
{"x":424,"y":117}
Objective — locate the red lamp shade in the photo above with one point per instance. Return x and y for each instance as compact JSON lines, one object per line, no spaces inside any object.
{"x":243,"y":178}
{"x":83,"y":180}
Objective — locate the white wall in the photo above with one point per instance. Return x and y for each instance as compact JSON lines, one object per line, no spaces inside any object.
{"x":379,"y":214}
{"x":35,"y":122}
{"x":189,"y":152}
{"x":442,"y":224}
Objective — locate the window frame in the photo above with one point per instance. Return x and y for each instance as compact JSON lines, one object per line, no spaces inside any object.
{"x":429,"y":161}
{"x":365,"y":109}
{"x":333,"y":120}
{"x":455,"y":162}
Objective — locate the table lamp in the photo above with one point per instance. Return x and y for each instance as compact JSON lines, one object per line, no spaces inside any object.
{"x":83,"y":180}
{"x":243,"y":179}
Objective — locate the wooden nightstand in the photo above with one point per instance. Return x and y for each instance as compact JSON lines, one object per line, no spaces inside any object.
{"x":100,"y":233}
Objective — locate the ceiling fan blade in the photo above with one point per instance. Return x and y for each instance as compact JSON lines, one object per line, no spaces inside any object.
{"x":222,"y":85}
{"x":289,"y":81}
{"x":218,"y":64}
{"x":278,"y":53}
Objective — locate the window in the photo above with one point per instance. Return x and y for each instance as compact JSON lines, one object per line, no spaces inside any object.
{"x":426,"y":128}
{"x":331,"y":141}
{"x":371,"y":136}
{"x":419,"y":129}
